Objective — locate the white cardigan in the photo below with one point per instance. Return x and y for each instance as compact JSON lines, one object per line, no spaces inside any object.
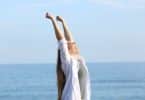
{"x":77,"y":86}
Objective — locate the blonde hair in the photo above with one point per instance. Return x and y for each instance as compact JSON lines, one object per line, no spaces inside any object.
{"x":72,"y":48}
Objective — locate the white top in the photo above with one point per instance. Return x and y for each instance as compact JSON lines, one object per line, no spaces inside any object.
{"x":77,"y":86}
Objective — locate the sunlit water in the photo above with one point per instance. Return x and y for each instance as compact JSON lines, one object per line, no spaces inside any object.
{"x":109,"y":81}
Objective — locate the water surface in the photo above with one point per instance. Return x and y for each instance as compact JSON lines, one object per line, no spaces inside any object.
{"x":109,"y":81}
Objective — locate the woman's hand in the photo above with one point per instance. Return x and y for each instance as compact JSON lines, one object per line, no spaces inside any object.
{"x":49,"y":16}
{"x":59,"y":18}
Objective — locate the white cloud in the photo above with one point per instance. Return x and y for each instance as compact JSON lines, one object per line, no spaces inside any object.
{"x":121,"y":3}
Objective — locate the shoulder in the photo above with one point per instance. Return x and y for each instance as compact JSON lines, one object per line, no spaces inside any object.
{"x":62,"y":41}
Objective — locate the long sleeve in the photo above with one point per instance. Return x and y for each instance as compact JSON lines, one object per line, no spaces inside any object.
{"x":84,"y":80}
{"x":64,"y":53}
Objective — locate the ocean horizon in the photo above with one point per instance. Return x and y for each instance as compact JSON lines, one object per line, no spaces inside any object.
{"x":109,"y":81}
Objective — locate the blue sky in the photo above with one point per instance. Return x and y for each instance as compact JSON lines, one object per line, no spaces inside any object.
{"x":105,"y":30}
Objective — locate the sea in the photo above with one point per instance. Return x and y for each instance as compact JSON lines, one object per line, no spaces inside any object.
{"x":109,"y":81}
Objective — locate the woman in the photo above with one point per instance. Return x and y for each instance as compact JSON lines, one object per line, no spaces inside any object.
{"x":72,"y":73}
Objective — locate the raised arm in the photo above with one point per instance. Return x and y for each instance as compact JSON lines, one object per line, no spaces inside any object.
{"x":58,"y":33}
{"x":67,"y":32}
{"x":62,"y":43}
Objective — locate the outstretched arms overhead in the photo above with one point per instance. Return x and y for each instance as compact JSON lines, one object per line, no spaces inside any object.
{"x":58,"y":33}
{"x":67,"y":33}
